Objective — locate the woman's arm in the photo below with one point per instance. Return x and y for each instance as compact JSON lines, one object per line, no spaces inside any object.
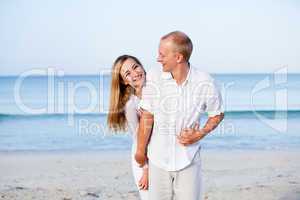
{"x":143,"y":135}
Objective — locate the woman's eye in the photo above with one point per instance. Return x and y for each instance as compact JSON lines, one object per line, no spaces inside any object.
{"x":135,"y":66}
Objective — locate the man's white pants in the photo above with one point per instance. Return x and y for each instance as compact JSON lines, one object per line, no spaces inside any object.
{"x":185,"y":184}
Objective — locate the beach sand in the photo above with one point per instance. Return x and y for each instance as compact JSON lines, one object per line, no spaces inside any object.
{"x":232,"y":175}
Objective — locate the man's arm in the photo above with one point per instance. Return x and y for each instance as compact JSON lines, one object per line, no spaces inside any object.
{"x":143,"y":136}
{"x":212,"y":123}
{"x":192,"y":135}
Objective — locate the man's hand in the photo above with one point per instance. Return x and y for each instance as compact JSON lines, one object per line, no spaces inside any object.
{"x":190,"y":136}
{"x":140,"y":158}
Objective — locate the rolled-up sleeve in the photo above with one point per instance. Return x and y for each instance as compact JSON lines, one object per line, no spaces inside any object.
{"x":214,"y":103}
{"x":146,"y":103}
{"x":149,"y":93}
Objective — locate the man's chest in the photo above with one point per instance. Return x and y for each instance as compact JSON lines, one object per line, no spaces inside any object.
{"x":174,"y":102}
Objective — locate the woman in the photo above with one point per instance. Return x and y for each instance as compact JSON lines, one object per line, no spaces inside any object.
{"x":127,"y":80}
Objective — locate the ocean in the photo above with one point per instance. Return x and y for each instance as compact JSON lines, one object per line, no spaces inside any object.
{"x":68,"y":113}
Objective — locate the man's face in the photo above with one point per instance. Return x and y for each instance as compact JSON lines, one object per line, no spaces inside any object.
{"x":167,"y":55}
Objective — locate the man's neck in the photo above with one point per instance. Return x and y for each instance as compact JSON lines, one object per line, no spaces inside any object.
{"x":180,"y":73}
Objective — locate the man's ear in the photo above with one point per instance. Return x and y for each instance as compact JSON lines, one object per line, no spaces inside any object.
{"x":179,"y":58}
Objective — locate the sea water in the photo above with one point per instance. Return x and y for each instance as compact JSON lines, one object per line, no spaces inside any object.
{"x":42,"y":113}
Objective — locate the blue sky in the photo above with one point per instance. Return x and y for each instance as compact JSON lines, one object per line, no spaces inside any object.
{"x":85,"y":36}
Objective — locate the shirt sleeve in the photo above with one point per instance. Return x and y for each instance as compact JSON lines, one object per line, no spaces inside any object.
{"x":214,"y":104}
{"x":149,"y":92}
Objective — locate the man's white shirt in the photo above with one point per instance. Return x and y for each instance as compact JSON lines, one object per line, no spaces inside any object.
{"x":174,"y":108}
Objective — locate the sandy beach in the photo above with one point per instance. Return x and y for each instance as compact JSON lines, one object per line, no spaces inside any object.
{"x":232,"y":175}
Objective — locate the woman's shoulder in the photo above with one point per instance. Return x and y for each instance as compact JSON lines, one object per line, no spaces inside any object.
{"x":132,"y":102}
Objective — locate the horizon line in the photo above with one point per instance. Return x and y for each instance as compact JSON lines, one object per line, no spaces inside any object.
{"x":107,"y":74}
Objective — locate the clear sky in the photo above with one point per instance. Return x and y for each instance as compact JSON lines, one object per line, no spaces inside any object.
{"x":84,"y":36}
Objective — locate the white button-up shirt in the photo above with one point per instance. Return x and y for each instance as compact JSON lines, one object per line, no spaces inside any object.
{"x":175,"y":107}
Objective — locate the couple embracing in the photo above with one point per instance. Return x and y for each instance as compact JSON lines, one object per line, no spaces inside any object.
{"x":162,"y":110}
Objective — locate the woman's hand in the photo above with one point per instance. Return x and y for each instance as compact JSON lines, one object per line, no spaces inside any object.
{"x":144,"y":181}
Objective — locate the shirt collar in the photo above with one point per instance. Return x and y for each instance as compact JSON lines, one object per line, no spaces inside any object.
{"x":168,"y":76}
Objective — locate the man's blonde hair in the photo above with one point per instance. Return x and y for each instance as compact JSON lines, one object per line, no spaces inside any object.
{"x":183,"y":44}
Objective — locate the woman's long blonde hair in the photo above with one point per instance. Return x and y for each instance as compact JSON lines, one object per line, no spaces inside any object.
{"x":119,"y":95}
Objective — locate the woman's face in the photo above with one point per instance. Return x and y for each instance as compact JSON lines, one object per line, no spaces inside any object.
{"x":132,"y":73}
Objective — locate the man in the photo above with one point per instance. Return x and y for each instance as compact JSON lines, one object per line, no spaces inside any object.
{"x":172,"y":103}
